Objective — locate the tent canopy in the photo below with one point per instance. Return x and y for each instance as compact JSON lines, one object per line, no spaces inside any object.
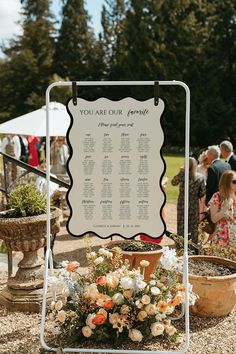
{"x":34,"y":123}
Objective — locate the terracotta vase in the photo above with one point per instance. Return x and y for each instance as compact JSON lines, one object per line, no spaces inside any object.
{"x":217,"y":295}
{"x":135,"y":257}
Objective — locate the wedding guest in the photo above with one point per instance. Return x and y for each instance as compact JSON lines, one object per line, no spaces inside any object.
{"x":227,"y":153}
{"x":24,"y":156}
{"x":12,"y":147}
{"x":33,"y":151}
{"x":41,"y":182}
{"x":197,"y":190}
{"x":223,"y":210}
{"x":215,"y":170}
{"x":202,"y":168}
{"x":59,"y":156}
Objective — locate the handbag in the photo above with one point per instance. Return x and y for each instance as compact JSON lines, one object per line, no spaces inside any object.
{"x":207,"y":225}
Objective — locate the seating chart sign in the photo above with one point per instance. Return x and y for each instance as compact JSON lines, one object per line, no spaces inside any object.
{"x":116,"y":168}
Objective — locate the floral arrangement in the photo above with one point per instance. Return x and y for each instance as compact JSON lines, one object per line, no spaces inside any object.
{"x":111,"y":303}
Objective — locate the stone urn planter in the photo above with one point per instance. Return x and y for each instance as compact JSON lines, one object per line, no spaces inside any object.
{"x":150,"y":252}
{"x":217,"y":294}
{"x":28,"y":235}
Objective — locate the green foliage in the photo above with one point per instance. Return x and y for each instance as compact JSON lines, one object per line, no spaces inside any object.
{"x":74,"y":46}
{"x":188,"y":40}
{"x":26,"y":200}
{"x":27,"y":70}
{"x":219,"y":251}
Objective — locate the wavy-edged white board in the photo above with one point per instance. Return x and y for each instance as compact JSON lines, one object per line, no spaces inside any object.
{"x":116,"y":168}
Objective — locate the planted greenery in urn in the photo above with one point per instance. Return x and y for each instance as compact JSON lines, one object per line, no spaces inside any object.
{"x":26,"y":200}
{"x":23,"y":228}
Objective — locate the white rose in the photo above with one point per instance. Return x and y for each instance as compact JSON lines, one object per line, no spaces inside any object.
{"x":89,"y":320}
{"x":144,"y":263}
{"x":91,"y":291}
{"x":118,"y":298}
{"x":87,"y":332}
{"x":170,"y":330}
{"x":61,"y":316}
{"x":52,"y":305}
{"x":152,"y":282}
{"x":157,"y":329}
{"x":155,"y":290}
{"x":98,"y":260}
{"x":58,"y":305}
{"x":135,"y":335}
{"x":140,"y":284}
{"x":102,"y":251}
{"x":109,"y":254}
{"x":127,"y":283}
{"x":112,"y":281}
{"x":145,"y":299}
{"x":150,"y":309}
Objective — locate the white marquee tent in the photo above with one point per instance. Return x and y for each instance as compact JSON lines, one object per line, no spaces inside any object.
{"x":34,"y":123}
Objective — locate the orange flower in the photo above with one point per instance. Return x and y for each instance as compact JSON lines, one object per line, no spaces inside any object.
{"x":72,"y":266}
{"x":176,"y":301}
{"x":162,"y":306}
{"x":99,"y":319}
{"x":102,"y":280}
{"x":108,"y":304}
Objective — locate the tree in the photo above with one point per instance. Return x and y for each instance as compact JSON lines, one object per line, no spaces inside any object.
{"x":75,"y":42}
{"x":27,"y":69}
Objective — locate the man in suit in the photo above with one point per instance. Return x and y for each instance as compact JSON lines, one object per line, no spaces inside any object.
{"x":227,"y":153}
{"x":215,"y":170}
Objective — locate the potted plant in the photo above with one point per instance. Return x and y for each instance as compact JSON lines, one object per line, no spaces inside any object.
{"x":135,"y":251}
{"x":212,"y":274}
{"x":214,"y":281}
{"x":23,"y":228}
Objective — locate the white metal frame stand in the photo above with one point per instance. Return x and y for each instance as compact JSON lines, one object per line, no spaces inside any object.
{"x":48,"y":256}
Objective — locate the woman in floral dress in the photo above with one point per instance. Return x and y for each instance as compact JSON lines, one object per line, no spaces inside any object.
{"x":197,"y":190}
{"x":223,"y":210}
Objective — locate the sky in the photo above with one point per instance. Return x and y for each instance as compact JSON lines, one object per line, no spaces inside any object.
{"x":10,"y":14}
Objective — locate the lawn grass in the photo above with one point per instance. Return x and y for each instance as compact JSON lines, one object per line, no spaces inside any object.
{"x":173,"y":164}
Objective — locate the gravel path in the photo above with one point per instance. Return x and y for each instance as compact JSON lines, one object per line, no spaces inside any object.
{"x":19,"y":332}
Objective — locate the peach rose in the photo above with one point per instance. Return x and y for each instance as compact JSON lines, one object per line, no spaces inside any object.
{"x":72,"y":266}
{"x":170,"y":330}
{"x":87,"y":332}
{"x":108,"y":305}
{"x":99,"y":319}
{"x":102,"y":280}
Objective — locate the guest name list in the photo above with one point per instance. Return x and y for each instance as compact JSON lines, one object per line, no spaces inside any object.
{"x":116,"y":168}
